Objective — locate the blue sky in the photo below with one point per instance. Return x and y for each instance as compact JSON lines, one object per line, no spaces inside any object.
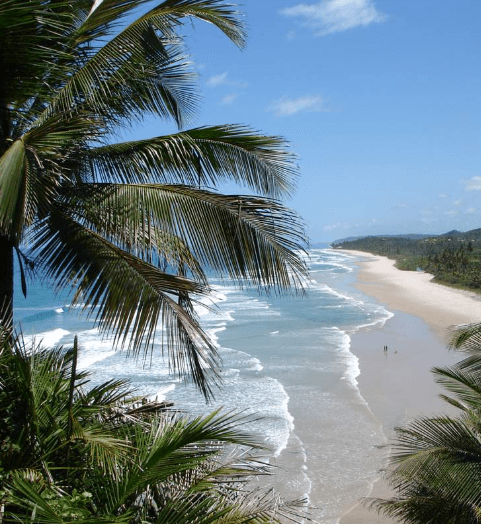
{"x":380,"y":99}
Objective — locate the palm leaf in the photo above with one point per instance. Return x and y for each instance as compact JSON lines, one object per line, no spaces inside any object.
{"x":464,"y":380}
{"x":199,"y":157}
{"x":32,"y":52}
{"x":466,"y":338}
{"x":249,"y":238}
{"x":144,"y":66}
{"x":13,"y":186}
{"x":128,"y":296}
{"x":442,"y":453}
{"x":62,"y":509}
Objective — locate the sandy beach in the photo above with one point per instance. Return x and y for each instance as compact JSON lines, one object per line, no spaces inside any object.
{"x":398,"y":384}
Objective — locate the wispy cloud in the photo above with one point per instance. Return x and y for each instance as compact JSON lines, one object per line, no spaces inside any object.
{"x":429,"y":220}
{"x":470,"y":211}
{"x":457,"y":202}
{"x":337,"y":225}
{"x":291,"y":106}
{"x":452,"y":212}
{"x":473,"y":184}
{"x":217,"y":80}
{"x":229,"y":99}
{"x":333,"y":16}
{"x":223,"y":80}
{"x":442,"y":195}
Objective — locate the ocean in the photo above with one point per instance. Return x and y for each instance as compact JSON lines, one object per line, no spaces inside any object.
{"x":285,"y":359}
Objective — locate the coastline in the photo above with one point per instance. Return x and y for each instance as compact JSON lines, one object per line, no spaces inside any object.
{"x":416,"y":340}
{"x":413,"y":292}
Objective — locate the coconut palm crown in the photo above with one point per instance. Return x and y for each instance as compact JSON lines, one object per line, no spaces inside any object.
{"x":71,"y":452}
{"x":436,"y":460}
{"x":133,"y":226}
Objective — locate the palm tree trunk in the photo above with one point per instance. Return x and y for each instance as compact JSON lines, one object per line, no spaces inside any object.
{"x":6,"y":282}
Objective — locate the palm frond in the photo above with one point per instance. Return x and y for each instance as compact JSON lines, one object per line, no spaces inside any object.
{"x":464,"y":380}
{"x":13,"y":188}
{"x":144,"y":68}
{"x":251,"y":239}
{"x":223,"y":16}
{"x":199,"y":157}
{"x":439,"y":457}
{"x":128,"y":296}
{"x":102,"y":18}
{"x":466,"y":338}
{"x":32,"y":52}
{"x":52,"y":506}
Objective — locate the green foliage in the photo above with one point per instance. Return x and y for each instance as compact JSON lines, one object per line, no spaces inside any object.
{"x":436,"y":460}
{"x":72,"y":453}
{"x":132,"y":227}
{"x":454,"y":258}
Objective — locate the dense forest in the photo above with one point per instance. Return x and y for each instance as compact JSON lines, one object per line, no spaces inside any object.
{"x":454,"y":258}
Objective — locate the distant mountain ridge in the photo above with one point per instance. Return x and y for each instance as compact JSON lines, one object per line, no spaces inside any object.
{"x":453,"y":257}
{"x":410,"y":236}
{"x":472,"y":234}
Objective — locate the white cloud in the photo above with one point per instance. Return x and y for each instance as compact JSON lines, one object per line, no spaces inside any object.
{"x":457,"y":202}
{"x":452,"y":213}
{"x":442,"y":195}
{"x":332,"y":16}
{"x":292,"y":106}
{"x":337,"y":225}
{"x":470,"y":210}
{"x":229,"y":99}
{"x":217,"y":80}
{"x":473,"y":184}
{"x":401,"y":205}
{"x":222,"y":80}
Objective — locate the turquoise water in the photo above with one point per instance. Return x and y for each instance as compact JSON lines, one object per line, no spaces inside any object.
{"x":286,"y":359}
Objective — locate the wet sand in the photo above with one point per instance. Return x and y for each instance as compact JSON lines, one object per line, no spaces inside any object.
{"x":397,"y":383}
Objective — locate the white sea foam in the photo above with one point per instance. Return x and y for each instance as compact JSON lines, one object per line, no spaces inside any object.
{"x":285,"y":414}
{"x":46,"y":339}
{"x":162,"y":392}
{"x":208,"y":304}
{"x":381,"y":320}
{"x":93,"y":348}
{"x":343,"y":342}
{"x":328,"y":257}
{"x":254,"y":364}
{"x":86,"y":361}
{"x":213,"y":334}
{"x":329,"y":290}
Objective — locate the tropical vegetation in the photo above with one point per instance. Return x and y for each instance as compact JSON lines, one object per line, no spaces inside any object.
{"x":70,"y":452}
{"x":436,"y":460}
{"x":132,"y":226}
{"x":454,"y":258}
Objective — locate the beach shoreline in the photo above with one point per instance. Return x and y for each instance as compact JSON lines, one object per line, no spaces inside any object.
{"x":441,"y":307}
{"x":416,"y":340}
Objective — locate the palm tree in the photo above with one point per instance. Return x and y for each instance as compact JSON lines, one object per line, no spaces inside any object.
{"x":437,"y":460}
{"x":132,"y":226}
{"x":98,"y":455}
